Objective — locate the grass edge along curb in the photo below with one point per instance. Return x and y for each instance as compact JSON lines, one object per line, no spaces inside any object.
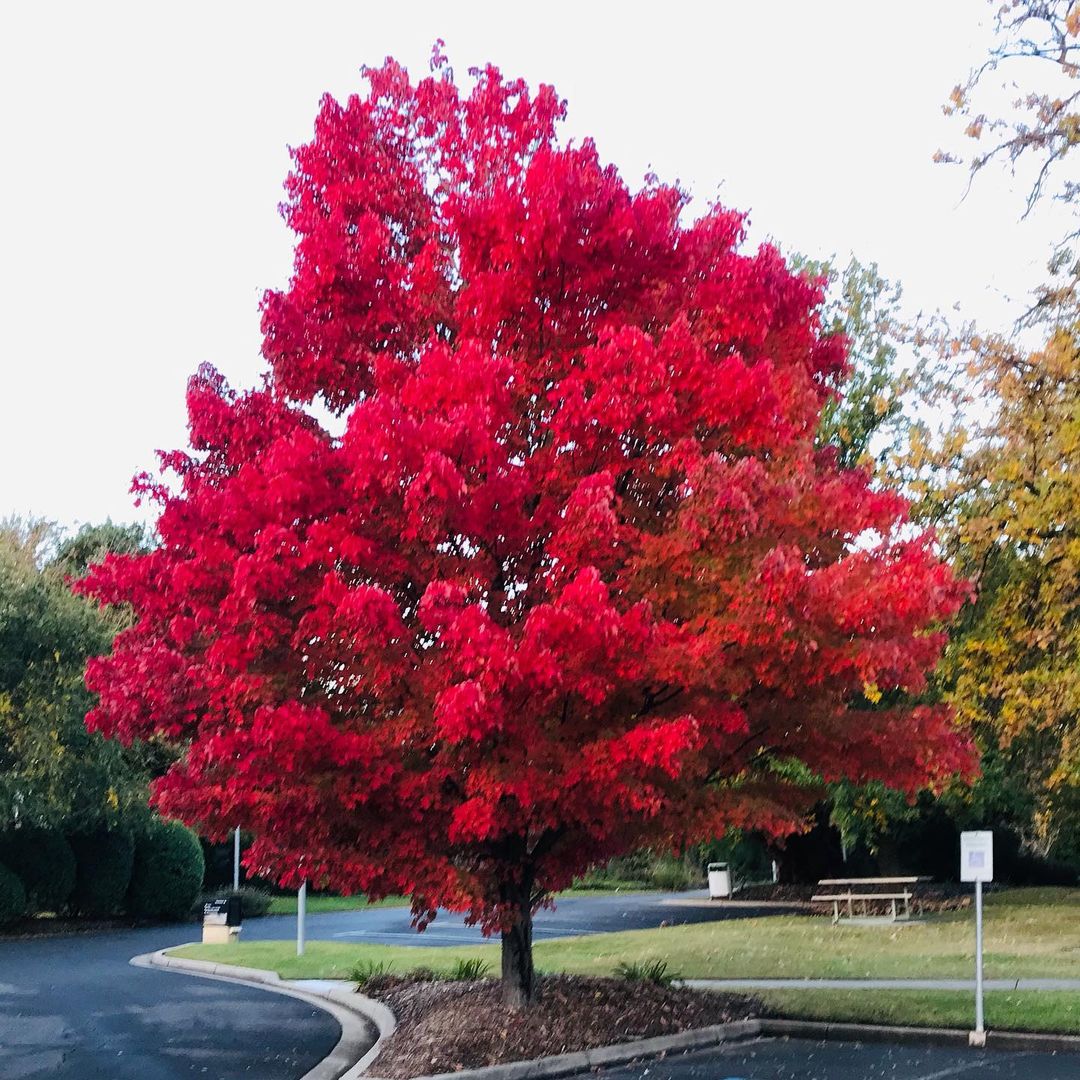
{"x":581,"y":1061}
{"x":354,"y":1012}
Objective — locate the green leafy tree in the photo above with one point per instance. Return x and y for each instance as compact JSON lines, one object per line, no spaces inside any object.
{"x":75,"y":554}
{"x":53,"y":773}
{"x":865,"y":420}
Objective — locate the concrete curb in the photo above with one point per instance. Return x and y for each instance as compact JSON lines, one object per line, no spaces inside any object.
{"x":359,"y":1016}
{"x":354,"y":1011}
{"x":745,"y":1030}
{"x":739,"y":905}
{"x":995,"y":1040}
{"x":586,"y":1060}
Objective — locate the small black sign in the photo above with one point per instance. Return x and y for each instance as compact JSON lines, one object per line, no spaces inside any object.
{"x":223,"y":912}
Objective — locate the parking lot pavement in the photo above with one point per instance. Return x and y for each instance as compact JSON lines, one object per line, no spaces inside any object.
{"x":73,"y":1008}
{"x":795,"y":1059}
{"x":572,"y":916}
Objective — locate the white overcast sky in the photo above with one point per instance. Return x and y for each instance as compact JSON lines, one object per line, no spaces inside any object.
{"x":144,"y":150}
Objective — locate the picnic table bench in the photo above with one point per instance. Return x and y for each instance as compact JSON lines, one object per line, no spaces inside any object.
{"x":857,"y":889}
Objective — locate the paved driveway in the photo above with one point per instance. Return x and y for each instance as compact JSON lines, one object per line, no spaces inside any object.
{"x":573,"y":916}
{"x":794,"y":1059}
{"x":72,"y":1008}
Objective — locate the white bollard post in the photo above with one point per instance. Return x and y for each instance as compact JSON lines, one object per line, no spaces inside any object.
{"x":236,"y":860}
{"x":980,"y":1031}
{"x":301,"y":916}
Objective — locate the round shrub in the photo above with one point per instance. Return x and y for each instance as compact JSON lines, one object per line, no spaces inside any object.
{"x":167,"y":872}
{"x":44,"y":862}
{"x":103,"y":871}
{"x":254,"y":902}
{"x":12,"y":896}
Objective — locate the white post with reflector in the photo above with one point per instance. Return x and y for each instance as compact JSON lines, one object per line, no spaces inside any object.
{"x":977,"y":865}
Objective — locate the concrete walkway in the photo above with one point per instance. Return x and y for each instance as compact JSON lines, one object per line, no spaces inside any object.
{"x":880,"y":984}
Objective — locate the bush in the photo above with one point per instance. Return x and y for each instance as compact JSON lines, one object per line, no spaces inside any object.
{"x":12,"y":896}
{"x":167,"y":872}
{"x":674,"y":875}
{"x":468,"y":970}
{"x":104,"y":861}
{"x":644,"y":870}
{"x":366,"y":970}
{"x":44,"y":862}
{"x":253,"y":902}
{"x":650,"y":971}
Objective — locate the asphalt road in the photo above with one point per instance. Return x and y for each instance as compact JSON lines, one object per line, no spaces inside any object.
{"x":572,"y":916}
{"x":72,"y":1008}
{"x":794,"y":1059}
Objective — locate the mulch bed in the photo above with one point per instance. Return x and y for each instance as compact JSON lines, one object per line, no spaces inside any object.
{"x":446,"y":1026}
{"x":927,"y":897}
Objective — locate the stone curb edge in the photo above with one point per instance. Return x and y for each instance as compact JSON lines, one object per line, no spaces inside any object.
{"x":355,"y":1013}
{"x":995,"y":1040}
{"x":585,"y":1060}
{"x":558,"y":1065}
{"x":744,"y":1030}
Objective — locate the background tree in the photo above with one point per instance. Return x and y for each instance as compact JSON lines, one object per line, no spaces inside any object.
{"x":1008,"y":500}
{"x":865,"y":420}
{"x":52,"y":771}
{"x":1021,"y":107}
{"x":575,"y":579}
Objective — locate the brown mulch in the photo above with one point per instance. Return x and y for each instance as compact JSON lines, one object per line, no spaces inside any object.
{"x":446,"y":1026}
{"x":927,"y":897}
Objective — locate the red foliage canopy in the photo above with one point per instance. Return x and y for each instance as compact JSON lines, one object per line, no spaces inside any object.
{"x":573,"y":579}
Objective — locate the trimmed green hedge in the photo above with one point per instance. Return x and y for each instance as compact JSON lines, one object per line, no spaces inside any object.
{"x":104,"y":861}
{"x":253,"y":902}
{"x":12,"y":896}
{"x":44,"y":862}
{"x":167,"y":873}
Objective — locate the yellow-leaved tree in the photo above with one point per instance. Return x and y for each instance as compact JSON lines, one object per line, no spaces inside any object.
{"x":1006,"y":495}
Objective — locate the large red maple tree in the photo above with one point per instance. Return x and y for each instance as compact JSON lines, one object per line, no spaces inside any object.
{"x":567,"y":577}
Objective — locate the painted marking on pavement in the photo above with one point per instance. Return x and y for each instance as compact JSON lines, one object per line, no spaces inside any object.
{"x":967,"y":1066}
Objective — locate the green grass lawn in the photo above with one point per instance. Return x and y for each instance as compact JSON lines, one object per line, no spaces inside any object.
{"x":286,"y":905}
{"x":1028,"y":932}
{"x":1006,"y":1010}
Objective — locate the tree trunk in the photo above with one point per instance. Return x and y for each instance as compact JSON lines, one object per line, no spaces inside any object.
{"x":518,"y":975}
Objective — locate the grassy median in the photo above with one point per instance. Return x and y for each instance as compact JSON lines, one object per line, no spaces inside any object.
{"x":1029,"y":933}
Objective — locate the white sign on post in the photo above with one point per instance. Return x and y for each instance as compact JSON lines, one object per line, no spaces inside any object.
{"x":977,"y":856}
{"x":977,"y":865}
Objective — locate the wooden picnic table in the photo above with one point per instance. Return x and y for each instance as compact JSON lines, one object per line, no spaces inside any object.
{"x":864,"y":896}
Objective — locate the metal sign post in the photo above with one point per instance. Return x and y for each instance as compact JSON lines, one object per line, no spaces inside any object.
{"x":977,"y":865}
{"x":301,"y":916}
{"x":236,"y":860}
